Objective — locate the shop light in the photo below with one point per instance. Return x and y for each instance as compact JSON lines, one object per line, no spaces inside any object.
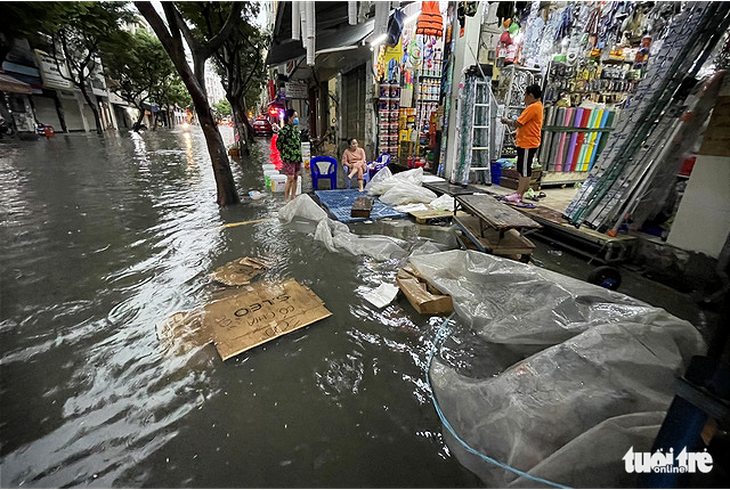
{"x":378,"y":40}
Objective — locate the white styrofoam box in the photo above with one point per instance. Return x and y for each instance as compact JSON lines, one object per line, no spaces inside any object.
{"x":268,"y":166}
{"x":277,"y":183}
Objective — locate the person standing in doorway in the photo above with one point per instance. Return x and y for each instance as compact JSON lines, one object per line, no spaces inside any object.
{"x":289,"y":144}
{"x":353,"y":159}
{"x":529,"y":127}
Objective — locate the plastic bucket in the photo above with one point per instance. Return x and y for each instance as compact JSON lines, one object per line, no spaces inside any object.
{"x":277,"y":183}
{"x":268,"y":174}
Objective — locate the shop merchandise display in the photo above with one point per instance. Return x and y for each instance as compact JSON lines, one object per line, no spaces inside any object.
{"x":573,"y":137}
{"x":410,"y":86}
{"x":388,"y":116}
{"x":690,"y":38}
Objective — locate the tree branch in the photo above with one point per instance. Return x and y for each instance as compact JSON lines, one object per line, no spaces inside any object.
{"x":233,"y":18}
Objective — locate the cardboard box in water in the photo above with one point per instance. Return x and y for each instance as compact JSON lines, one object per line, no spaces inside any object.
{"x":260,"y":313}
{"x":424,"y":297}
{"x":238,"y":272}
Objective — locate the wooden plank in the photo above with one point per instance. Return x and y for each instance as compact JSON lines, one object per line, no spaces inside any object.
{"x":423,"y":216}
{"x":554,"y":219}
{"x":362,"y":207}
{"x":512,"y":243}
{"x":424,"y":298}
{"x":495,"y":214}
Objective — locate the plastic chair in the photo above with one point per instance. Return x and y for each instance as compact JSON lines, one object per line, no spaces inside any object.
{"x":365,"y":176}
{"x":317,"y":164}
{"x":373,"y":168}
{"x":377,"y":165}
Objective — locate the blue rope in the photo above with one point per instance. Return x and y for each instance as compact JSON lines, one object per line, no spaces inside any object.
{"x":440,"y":335}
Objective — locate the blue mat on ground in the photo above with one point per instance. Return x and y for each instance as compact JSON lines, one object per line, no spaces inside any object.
{"x":339,"y":202}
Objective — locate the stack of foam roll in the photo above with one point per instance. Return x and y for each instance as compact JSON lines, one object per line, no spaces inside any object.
{"x":572,"y":139}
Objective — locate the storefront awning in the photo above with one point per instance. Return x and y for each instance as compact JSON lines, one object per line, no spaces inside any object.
{"x":333,"y":32}
{"x":13,"y":85}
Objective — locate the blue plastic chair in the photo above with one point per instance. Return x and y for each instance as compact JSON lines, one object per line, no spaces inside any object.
{"x":317,"y":174}
{"x":382,"y":161}
{"x":373,"y":168}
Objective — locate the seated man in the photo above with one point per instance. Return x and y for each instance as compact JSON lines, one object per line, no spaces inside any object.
{"x":354,"y":159}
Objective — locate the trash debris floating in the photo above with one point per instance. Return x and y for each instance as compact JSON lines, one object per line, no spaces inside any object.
{"x":258,"y":314}
{"x":381,"y":296}
{"x":238,"y":272}
{"x":423,"y":296}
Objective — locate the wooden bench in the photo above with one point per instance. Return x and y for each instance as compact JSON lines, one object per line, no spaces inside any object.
{"x":493,"y":226}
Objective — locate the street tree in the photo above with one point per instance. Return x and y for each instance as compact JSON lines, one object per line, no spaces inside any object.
{"x":171,"y":33}
{"x":239,"y":60}
{"x":88,"y":29}
{"x":139,"y":70}
{"x":172,"y":93}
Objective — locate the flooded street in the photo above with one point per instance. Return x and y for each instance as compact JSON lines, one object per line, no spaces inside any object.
{"x":105,"y":237}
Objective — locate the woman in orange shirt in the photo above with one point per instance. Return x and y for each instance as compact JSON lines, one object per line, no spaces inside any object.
{"x":529,"y":126}
{"x":354,"y":159}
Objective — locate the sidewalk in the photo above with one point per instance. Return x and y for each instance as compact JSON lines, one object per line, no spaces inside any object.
{"x":556,"y":198}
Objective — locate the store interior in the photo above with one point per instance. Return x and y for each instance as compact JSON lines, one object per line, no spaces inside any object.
{"x":457,"y":68}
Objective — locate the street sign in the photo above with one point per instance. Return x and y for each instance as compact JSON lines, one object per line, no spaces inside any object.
{"x":295,"y":90}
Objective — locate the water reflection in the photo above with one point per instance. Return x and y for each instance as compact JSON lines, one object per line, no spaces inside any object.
{"x":99,"y":253}
{"x":188,"y":142}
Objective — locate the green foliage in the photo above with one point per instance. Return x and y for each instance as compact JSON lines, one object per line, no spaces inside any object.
{"x":87,"y":29}
{"x":239,"y":61}
{"x":30,"y":20}
{"x":223,"y":108}
{"x":139,"y":68}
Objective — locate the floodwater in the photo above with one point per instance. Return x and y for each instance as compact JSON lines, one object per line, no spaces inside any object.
{"x":102,"y":238}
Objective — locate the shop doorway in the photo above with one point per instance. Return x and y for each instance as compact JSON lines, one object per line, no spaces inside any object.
{"x":353,"y":104}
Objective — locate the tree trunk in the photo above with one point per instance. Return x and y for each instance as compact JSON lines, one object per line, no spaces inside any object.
{"x":136,"y":125}
{"x":219,"y":156}
{"x":226,"y":187}
{"x":92,"y":106}
{"x":243,"y":128}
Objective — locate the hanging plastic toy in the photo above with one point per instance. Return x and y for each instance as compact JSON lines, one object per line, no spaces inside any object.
{"x":414,"y":53}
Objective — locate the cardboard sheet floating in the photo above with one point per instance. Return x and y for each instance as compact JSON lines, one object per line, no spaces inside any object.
{"x":237,"y":323}
{"x":260,"y":313}
{"x":238,"y":272}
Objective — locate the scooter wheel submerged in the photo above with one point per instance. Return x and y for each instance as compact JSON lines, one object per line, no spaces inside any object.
{"x":605,"y":276}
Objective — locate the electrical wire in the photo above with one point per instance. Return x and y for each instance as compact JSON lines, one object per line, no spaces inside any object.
{"x":440,"y":336}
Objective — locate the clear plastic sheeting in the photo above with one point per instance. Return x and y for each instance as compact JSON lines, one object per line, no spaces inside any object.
{"x":302,"y":207}
{"x":401,"y":188}
{"x":384,"y":180}
{"x":336,"y":236}
{"x":406,"y":192}
{"x":549,"y":374}
{"x":444,"y":202}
